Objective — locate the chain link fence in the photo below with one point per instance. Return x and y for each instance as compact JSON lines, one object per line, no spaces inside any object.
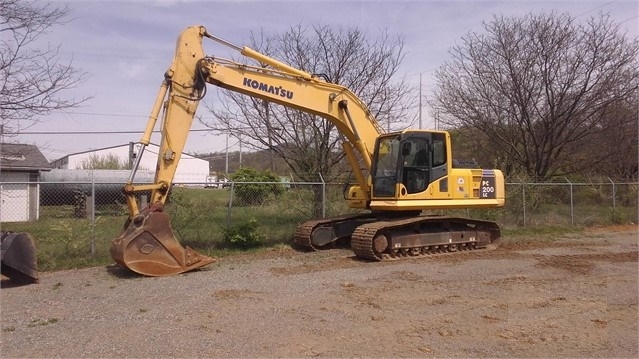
{"x":570,"y":204}
{"x":81,"y":217}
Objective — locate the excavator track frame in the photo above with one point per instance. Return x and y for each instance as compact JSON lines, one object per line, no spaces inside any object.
{"x":421,"y":236}
{"x":377,"y":237}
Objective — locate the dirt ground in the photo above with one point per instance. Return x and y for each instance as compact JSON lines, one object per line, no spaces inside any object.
{"x":574,"y":296}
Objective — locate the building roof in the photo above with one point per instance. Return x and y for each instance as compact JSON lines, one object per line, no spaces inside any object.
{"x":184,"y":155}
{"x":96,"y":149}
{"x":22,"y":157}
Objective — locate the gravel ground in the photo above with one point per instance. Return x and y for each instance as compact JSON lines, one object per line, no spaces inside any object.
{"x":571,"y":297}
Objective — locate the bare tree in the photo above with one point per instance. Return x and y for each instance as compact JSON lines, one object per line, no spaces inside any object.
{"x":104,"y":162}
{"x":618,"y":136}
{"x":33,"y":79}
{"x":308,"y":144}
{"x":538,"y":92}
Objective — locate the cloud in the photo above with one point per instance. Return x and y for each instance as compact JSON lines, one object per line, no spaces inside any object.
{"x":131,"y":70}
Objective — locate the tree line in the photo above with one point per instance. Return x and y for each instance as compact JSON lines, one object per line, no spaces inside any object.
{"x":540,"y":95}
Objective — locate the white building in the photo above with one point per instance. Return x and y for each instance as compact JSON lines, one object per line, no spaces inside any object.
{"x":190,"y":170}
{"x":20,"y":168}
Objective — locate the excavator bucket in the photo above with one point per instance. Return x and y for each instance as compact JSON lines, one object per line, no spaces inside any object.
{"x":147,"y":246}
{"x":18,"y":259}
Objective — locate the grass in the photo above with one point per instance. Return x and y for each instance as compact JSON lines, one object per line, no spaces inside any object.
{"x":199,"y":217}
{"x":540,"y":231}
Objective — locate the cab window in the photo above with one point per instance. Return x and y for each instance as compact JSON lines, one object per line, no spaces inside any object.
{"x":439,"y":149}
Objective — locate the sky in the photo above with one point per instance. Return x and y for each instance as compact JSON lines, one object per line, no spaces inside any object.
{"x":126,"y":46}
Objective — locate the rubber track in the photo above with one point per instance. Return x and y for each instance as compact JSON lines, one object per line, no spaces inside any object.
{"x":362,"y":238}
{"x":302,"y":235}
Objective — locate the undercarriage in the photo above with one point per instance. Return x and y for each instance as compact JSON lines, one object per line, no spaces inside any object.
{"x":376,"y":237}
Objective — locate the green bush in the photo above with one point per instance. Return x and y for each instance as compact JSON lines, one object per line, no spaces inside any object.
{"x":243,"y":235}
{"x":252,"y":194}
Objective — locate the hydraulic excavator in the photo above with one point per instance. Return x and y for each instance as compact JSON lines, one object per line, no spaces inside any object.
{"x":398,"y":174}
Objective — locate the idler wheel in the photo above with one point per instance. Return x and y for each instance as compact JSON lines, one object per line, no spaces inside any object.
{"x":380,"y":244}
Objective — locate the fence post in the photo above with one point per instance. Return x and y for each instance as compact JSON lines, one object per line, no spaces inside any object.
{"x":228,"y":215}
{"x":323,"y":196}
{"x":523,"y":194}
{"x":523,"y":198}
{"x":614,"y":195}
{"x":572,"y":212}
{"x":92,"y":214}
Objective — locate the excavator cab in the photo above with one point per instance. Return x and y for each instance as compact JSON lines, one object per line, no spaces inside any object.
{"x":406,"y":163}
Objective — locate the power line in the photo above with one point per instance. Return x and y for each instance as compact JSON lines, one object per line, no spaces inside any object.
{"x":630,"y":18}
{"x":103,"y":114}
{"x":98,"y":132}
{"x":597,"y":8}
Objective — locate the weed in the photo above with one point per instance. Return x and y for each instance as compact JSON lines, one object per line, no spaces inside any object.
{"x":41,"y":322}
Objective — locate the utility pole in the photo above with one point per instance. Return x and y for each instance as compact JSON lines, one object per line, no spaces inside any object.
{"x":226,"y":168}
{"x":270,"y":135}
{"x":239,"y":137}
{"x":1,"y":141}
{"x":420,"y":100}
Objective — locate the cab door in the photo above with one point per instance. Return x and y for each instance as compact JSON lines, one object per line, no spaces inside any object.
{"x":386,"y":165}
{"x":423,"y":160}
{"x":417,"y":153}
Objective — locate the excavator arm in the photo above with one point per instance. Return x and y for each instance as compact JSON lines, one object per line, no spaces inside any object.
{"x":147,"y":244}
{"x":185,"y":85}
{"x":178,"y":99}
